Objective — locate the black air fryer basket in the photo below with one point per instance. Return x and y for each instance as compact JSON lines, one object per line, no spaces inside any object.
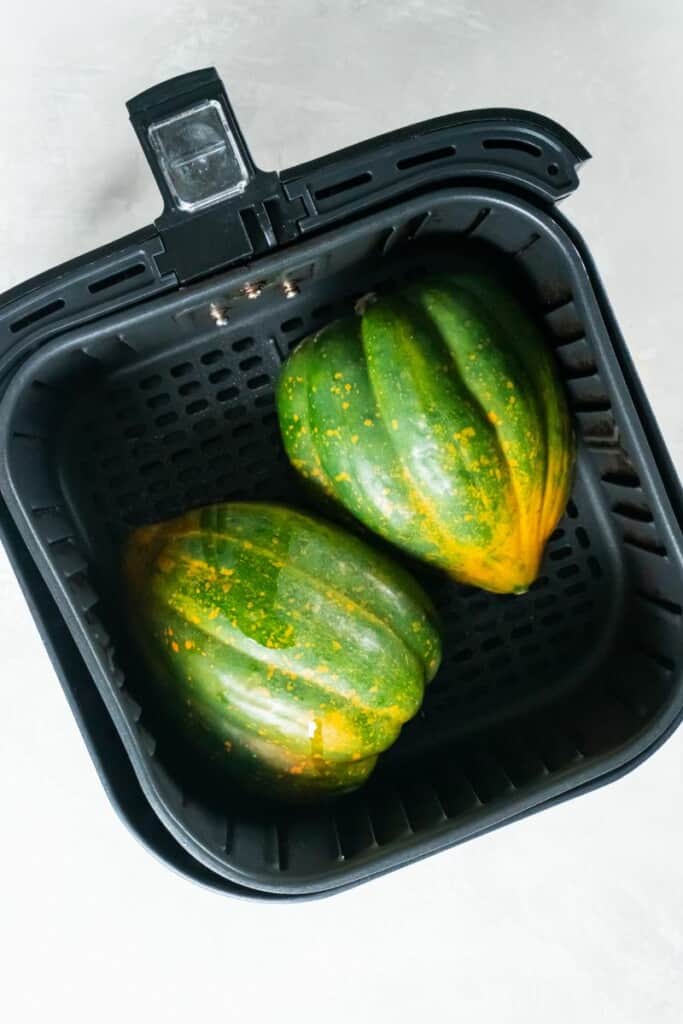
{"x":137,"y":381}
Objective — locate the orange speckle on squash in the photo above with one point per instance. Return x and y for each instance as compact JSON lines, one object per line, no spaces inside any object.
{"x":354,"y":438}
{"x":175,"y":647}
{"x":368,"y":422}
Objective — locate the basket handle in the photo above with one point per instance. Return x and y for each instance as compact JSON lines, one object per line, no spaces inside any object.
{"x":219,"y":207}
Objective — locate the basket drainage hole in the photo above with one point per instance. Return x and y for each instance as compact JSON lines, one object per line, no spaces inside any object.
{"x":463,"y":655}
{"x":212,"y":357}
{"x":582,"y":537}
{"x":559,"y":553}
{"x":242,"y":345}
{"x":250,"y":362}
{"x":227,"y":394}
{"x":575,"y":588}
{"x":521,"y":631}
{"x":218,"y":375}
{"x":181,"y":370}
{"x":197,"y":406}
{"x":136,"y":430}
{"x":292,"y":325}
{"x":553,"y":169}
{"x":491,"y":643}
{"x":156,"y":401}
{"x":166,"y":419}
{"x":568,"y":570}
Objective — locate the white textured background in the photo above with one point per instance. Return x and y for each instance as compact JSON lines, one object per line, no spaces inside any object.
{"x":575,"y":914}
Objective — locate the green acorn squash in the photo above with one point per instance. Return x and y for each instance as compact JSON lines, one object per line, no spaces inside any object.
{"x":287,"y":650}
{"x":436,"y":418}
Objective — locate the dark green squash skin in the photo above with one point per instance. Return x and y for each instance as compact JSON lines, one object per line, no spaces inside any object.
{"x":288,"y":651}
{"x":437,"y":419}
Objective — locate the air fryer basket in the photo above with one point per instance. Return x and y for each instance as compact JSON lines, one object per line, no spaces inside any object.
{"x":148,"y":412}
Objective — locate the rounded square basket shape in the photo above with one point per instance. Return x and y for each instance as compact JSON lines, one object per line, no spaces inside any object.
{"x":157,"y":409}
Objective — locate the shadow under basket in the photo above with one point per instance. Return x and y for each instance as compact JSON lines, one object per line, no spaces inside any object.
{"x":145,"y":413}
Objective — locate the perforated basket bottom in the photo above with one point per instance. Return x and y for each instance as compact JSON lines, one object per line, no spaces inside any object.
{"x":498,"y":651}
{"x":162,"y":410}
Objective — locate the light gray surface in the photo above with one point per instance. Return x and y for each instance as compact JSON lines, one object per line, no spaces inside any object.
{"x":575,"y":914}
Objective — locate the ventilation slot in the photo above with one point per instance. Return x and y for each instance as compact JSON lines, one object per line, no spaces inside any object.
{"x":425,"y":158}
{"x":343,"y":186}
{"x":456,"y":794}
{"x":660,"y":659}
{"x":554,"y":307}
{"x":478,"y":221}
{"x":36,"y":315}
{"x":645,"y":544}
{"x":422,"y":806}
{"x":587,"y":404}
{"x":354,"y":829}
{"x":580,"y":371}
{"x":389,"y":819}
{"x":533,"y":238}
{"x":488,"y":780}
{"x":113,"y":279}
{"x":638,"y":512}
{"x":521,"y":145}
{"x":660,"y":602}
{"x":621,"y":478}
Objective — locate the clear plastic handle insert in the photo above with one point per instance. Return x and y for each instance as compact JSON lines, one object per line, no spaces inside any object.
{"x":198,"y":156}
